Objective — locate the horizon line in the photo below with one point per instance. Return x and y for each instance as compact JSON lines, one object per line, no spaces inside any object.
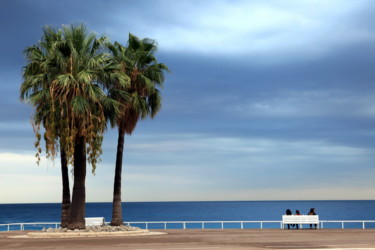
{"x":192,"y":201}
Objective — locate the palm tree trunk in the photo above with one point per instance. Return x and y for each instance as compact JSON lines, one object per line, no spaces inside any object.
{"x":116,"y":205}
{"x":77,"y":209}
{"x":65,"y":207}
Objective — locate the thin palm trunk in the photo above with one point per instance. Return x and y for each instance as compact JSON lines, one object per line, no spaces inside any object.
{"x":116,"y":205}
{"x":65,"y":207}
{"x":77,"y":209}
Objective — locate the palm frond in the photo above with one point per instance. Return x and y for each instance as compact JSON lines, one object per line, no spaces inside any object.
{"x":80,"y":106}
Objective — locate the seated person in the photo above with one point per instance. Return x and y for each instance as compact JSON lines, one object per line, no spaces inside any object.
{"x":288,"y":212}
{"x":312,"y":212}
{"x":297,"y":213}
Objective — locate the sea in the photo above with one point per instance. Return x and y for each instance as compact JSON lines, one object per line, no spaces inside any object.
{"x":340,"y":210}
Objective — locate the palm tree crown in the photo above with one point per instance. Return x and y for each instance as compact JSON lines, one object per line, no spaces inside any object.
{"x":65,"y":80}
{"x":138,"y":61}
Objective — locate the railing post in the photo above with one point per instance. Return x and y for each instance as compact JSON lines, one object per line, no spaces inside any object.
{"x":321,"y":226}
{"x":342,"y":225}
{"x":184,"y":223}
{"x":261,"y":225}
{"x":8,"y":227}
{"x":241,"y":224}
{"x":363,"y":225}
{"x":222,"y":225}
{"x":146,"y":225}
{"x":165,"y":225}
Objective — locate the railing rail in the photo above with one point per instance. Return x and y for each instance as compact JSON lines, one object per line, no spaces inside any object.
{"x":184,"y":224}
{"x":346,"y":221}
{"x":202,"y":223}
{"x":21,"y":226}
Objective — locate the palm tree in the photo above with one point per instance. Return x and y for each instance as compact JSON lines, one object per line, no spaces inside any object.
{"x":143,"y":99}
{"x":40,"y":64}
{"x":72,"y":81}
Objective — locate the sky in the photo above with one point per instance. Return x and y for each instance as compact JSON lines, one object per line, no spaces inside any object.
{"x":266,"y":100}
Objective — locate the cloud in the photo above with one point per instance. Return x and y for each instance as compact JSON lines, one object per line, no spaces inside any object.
{"x":295,"y":193}
{"x":20,"y":188}
{"x":258,"y":90}
{"x":219,"y":168}
{"x":23,"y":181}
{"x":299,"y":104}
{"x":25,"y":163}
{"x":260,"y":28}
{"x":7,"y":158}
{"x":228,"y":165}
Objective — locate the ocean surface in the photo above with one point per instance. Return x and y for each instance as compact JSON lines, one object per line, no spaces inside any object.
{"x":201,"y":211}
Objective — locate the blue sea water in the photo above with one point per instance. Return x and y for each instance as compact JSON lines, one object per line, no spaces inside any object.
{"x":200,"y":211}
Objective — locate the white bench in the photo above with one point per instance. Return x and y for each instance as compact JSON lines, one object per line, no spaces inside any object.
{"x":300,"y":219}
{"x":94,"y":221}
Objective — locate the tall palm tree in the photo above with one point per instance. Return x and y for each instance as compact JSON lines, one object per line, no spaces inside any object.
{"x":75,"y":76}
{"x":40,"y":64}
{"x":143,"y":99}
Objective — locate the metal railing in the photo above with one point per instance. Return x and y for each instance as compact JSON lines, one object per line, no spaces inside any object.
{"x":242,"y":223}
{"x":346,"y":221}
{"x":203,"y":224}
{"x":184,"y":224}
{"x":21,"y":226}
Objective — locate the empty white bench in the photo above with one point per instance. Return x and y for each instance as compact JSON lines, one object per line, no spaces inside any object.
{"x":300,"y":219}
{"x":94,"y":221}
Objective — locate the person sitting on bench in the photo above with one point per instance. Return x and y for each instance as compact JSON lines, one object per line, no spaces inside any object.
{"x":288,"y":212}
{"x":312,"y":212}
{"x":297,"y":213}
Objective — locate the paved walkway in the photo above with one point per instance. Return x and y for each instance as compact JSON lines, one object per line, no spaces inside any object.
{"x":207,"y":239}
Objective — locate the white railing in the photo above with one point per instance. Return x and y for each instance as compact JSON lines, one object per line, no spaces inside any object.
{"x":184,"y":224}
{"x":202,"y":223}
{"x":222,"y":223}
{"x":21,"y":226}
{"x":346,"y":221}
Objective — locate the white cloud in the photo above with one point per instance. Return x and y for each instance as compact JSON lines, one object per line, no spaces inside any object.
{"x":203,"y":168}
{"x":297,"y":193}
{"x":161,"y":193}
{"x":20,"y":188}
{"x":25,"y":163}
{"x":249,"y":168}
{"x":258,"y":27}
{"x":309,"y":104}
{"x":188,"y":143}
{"x":13,"y":158}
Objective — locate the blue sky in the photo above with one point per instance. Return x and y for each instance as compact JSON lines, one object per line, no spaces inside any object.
{"x":267,"y":100}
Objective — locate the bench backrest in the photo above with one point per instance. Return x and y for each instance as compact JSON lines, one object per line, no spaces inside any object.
{"x":300,"y":219}
{"x":94,"y":221}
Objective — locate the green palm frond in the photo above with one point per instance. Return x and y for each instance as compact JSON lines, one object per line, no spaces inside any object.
{"x":66,"y":80}
{"x":154,"y":102}
{"x":138,"y":62}
{"x":39,"y":98}
{"x":80,"y":106}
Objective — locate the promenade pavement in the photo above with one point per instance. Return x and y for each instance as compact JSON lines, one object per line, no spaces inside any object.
{"x":206,"y":239}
